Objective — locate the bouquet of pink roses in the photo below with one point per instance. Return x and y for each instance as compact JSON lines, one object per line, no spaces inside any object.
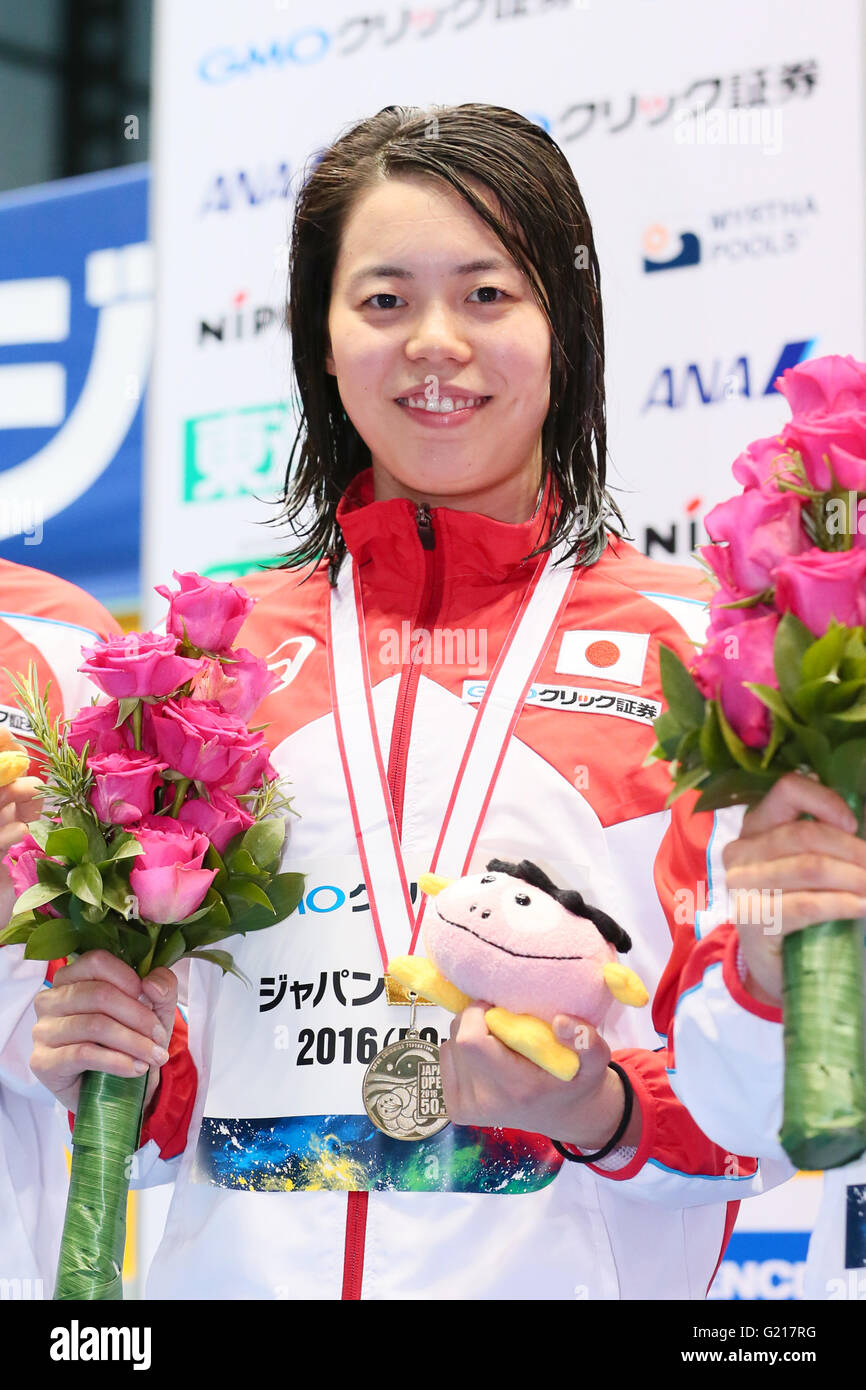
{"x":162,"y":833}
{"x":779,"y":685}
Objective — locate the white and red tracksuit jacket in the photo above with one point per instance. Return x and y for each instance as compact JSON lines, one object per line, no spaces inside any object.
{"x":729,"y":1069}
{"x":259,"y":1120}
{"x":45,"y":620}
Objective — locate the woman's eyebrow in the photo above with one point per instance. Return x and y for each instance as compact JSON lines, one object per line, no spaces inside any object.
{"x":397,"y":272}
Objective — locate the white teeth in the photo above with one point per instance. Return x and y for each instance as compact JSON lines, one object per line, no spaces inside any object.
{"x":442,"y":404}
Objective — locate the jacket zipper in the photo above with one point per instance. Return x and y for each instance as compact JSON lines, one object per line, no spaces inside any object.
{"x":431,"y":597}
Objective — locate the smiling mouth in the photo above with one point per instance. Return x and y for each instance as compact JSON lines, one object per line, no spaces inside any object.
{"x":524,"y":955}
{"x":443,"y":405}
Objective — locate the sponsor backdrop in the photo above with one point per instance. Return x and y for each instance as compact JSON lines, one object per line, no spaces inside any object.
{"x":722,"y":168}
{"x":75,"y":347}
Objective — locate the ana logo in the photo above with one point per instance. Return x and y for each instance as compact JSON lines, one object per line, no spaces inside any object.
{"x":722,"y":379}
{"x":618,"y":655}
{"x":246,"y":188}
{"x":661,"y":253}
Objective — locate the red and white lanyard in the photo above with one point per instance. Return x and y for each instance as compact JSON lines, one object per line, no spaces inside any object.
{"x":522,"y":653}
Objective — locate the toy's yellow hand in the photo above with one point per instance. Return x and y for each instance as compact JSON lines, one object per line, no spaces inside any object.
{"x":420,"y":975}
{"x":13,"y":765}
{"x":625,"y":985}
{"x":535,"y":1040}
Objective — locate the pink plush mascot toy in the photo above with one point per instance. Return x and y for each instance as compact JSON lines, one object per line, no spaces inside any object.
{"x":534,"y":950}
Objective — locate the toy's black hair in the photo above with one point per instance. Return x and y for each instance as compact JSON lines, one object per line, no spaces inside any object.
{"x":571,"y":900}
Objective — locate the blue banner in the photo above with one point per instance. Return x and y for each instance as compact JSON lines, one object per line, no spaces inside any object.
{"x":75,"y":347}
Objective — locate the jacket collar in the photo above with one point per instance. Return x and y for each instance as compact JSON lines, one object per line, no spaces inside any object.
{"x":472,"y":547}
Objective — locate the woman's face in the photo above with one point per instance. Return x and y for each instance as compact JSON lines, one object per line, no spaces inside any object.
{"x":410,"y":320}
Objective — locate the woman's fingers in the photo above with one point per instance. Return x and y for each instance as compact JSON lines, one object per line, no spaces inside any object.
{"x":793,"y":795}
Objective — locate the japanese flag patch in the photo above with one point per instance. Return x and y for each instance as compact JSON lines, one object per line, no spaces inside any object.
{"x":618,"y":656}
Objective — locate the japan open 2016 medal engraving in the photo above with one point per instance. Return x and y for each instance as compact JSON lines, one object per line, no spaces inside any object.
{"x":402,"y":1087}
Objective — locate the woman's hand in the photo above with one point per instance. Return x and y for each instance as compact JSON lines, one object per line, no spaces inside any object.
{"x":20,"y":803}
{"x":100,"y":1016}
{"x":816,"y":871}
{"x":484,"y":1083}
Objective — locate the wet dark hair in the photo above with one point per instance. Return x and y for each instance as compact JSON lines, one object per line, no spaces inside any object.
{"x":571,"y":900}
{"x":546,"y":230}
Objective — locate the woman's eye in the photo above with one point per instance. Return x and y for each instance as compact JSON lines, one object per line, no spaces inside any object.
{"x":488,"y":289}
{"x":382,"y":295}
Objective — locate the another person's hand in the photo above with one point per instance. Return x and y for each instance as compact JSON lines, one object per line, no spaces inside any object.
{"x":20,"y":803}
{"x":484,"y":1083}
{"x":100,"y":1016}
{"x":808,"y":870}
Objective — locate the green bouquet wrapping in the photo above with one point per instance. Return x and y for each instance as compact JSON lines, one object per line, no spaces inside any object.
{"x":779,"y":685}
{"x":162,"y":833}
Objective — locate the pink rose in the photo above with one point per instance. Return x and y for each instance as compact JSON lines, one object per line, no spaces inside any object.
{"x":21,"y":861}
{"x":238,"y":683}
{"x":760,"y":529}
{"x":825,"y":383}
{"x":743,"y":653}
{"x":722,"y":618}
{"x":167,"y":878}
{"x":95,"y":725}
{"x":207,"y":613}
{"x":839,"y":436}
{"x":220,"y":819}
{"x":200,"y":741}
{"x":761,"y":462}
{"x":137,"y":663}
{"x":125,"y":785}
{"x":821,"y":584}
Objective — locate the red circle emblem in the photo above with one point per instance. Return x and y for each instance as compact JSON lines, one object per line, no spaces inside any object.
{"x":603,"y":653}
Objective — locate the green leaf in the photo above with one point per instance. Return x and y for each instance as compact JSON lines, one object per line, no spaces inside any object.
{"x":125,"y":708}
{"x":205,"y":933}
{"x":685,"y":783}
{"x":683,"y":698}
{"x":773,"y":699}
{"x":823,"y":656}
{"x":264,"y":842}
{"x":85,"y":881}
{"x":735,"y":788}
{"x":847,"y":767}
{"x":37,"y":896}
{"x":792,"y":641}
{"x":15,"y":933}
{"x":854,"y":713}
{"x":668,"y":731}
{"x":714,"y":750}
{"x":170,"y":949}
{"x":49,"y":872}
{"x":40,"y":830}
{"x":748,"y":758}
{"x":135,"y":945}
{"x":285,"y":892}
{"x":223,"y":960}
{"x":116,"y":891}
{"x":91,"y":913}
{"x":99,"y":936}
{"x":52,"y":939}
{"x":241,"y":894}
{"x":68,"y":843}
{"x":779,"y":732}
{"x":74,"y":816}
{"x":240,"y":862}
{"x":815,"y":749}
{"x":124,"y":846}
{"x":213,"y":860}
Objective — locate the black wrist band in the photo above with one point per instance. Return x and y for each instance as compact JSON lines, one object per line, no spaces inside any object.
{"x":620,"y":1129}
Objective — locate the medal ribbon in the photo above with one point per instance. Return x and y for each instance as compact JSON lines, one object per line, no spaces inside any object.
{"x":370,"y":800}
